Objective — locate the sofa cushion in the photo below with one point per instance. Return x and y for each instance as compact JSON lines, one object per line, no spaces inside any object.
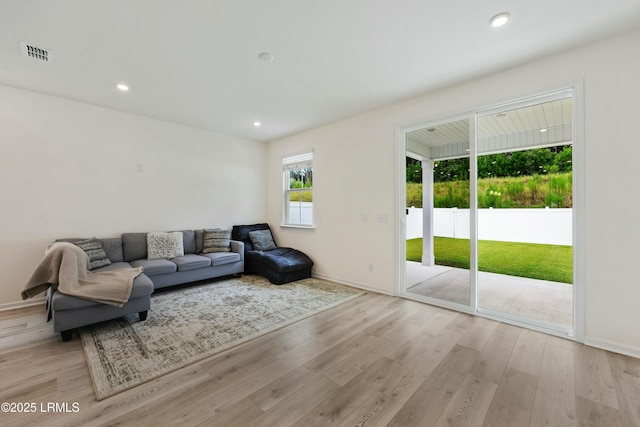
{"x":154,"y":267}
{"x":113,"y":247}
{"x":191,"y":262}
{"x":134,"y":246}
{"x":262,"y":240}
{"x":161,"y":245}
{"x":221,"y":258}
{"x":189,"y":241}
{"x":281,"y":259}
{"x":199,"y":240}
{"x":113,"y":266}
{"x":94,"y":250}
{"x":142,"y":286}
{"x":216,"y":240}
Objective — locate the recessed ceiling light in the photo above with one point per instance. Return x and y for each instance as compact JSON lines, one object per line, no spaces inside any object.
{"x":257,"y":124}
{"x":266,"y":57}
{"x":543,"y":130}
{"x":122,"y":87}
{"x":500,"y":19}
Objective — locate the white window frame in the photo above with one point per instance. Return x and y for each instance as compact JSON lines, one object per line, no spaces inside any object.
{"x":289,"y":163}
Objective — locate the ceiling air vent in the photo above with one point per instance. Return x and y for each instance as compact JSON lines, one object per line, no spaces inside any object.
{"x":35,"y":52}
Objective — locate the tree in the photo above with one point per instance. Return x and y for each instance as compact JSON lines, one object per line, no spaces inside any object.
{"x":414,"y":170}
{"x":451,"y":170}
{"x":537,"y":161}
{"x":563,"y":159}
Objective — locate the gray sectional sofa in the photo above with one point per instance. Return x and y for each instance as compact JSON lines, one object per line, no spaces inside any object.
{"x":130,"y":250}
{"x":191,"y":267}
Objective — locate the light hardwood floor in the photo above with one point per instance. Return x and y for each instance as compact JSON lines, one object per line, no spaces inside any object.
{"x":373,"y":361}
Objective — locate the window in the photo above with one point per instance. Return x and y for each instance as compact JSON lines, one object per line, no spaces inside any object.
{"x":298,"y":190}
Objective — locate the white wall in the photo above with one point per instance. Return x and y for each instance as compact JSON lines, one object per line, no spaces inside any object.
{"x":345,"y":186}
{"x":68,"y":169}
{"x":354,"y":174}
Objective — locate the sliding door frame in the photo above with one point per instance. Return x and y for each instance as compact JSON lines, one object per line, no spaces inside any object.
{"x":401,"y":250}
{"x":576,"y":92}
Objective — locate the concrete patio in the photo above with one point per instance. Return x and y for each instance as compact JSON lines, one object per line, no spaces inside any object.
{"x":537,"y":299}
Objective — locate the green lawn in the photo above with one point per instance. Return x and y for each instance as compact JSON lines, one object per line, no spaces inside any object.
{"x":545,"y":262}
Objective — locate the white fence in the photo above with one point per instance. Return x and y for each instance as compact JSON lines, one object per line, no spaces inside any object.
{"x":548,"y":226}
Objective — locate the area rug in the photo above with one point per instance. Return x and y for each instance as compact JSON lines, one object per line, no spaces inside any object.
{"x":193,"y":323}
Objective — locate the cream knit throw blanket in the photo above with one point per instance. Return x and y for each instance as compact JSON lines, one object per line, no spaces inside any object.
{"x":66,"y":266}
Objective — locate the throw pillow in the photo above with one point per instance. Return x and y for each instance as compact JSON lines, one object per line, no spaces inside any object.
{"x":262,"y":240}
{"x":164,"y":245}
{"x":94,"y":250}
{"x":216,"y":240}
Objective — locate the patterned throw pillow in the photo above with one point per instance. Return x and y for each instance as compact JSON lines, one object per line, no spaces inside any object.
{"x":216,"y":240}
{"x":262,"y":240}
{"x":162,"y":245}
{"x":94,"y":250}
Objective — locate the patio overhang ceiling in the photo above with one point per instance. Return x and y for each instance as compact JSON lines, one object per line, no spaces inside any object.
{"x":547,"y":124}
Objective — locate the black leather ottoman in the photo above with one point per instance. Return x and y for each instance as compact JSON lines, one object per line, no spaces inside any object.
{"x":280,"y":265}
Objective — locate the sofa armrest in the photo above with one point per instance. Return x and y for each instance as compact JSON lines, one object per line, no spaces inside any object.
{"x":238,"y":247}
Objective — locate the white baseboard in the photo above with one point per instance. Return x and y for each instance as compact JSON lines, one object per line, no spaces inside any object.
{"x":613,"y":346}
{"x":21,"y":304}
{"x":362,"y":286}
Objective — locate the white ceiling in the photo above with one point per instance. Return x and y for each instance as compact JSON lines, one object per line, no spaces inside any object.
{"x":195,"y":62}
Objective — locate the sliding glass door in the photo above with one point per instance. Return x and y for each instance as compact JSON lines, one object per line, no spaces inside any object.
{"x":489,"y":214}
{"x":438,"y":214}
{"x":524,"y":216}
